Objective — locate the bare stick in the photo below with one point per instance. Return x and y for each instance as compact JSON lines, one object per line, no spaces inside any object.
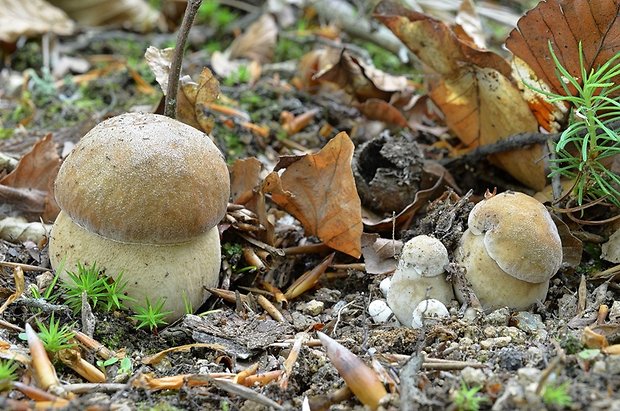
{"x":170,"y":105}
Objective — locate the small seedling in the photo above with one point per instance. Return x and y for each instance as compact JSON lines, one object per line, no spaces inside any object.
{"x":187,"y":304}
{"x":106,"y":363}
{"x":125,"y":367}
{"x":7,"y":374}
{"x":468,"y":399}
{"x":557,"y":395}
{"x":588,"y":140}
{"x":98,"y":289}
{"x":54,"y":337}
{"x":151,"y":315}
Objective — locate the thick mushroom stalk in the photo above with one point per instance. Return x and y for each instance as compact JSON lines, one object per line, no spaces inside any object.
{"x":510,"y":251}
{"x":419,"y":276}
{"x":142,"y":194}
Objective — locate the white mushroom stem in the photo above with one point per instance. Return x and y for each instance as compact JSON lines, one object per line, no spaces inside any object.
{"x":167,"y":271}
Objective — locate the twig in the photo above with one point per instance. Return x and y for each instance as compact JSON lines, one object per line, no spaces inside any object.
{"x":514,"y":142}
{"x":170,"y":104}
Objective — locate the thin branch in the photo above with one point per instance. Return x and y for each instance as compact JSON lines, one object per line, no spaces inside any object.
{"x":170,"y":104}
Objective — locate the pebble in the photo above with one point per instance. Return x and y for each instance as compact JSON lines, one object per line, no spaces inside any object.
{"x":490,"y":331}
{"x":496,"y":342}
{"x":498,"y":317}
{"x":518,"y":336}
{"x":473,"y":376}
{"x":535,"y":357}
{"x":614,"y":311}
{"x":313,"y":307}
{"x":511,"y":358}
{"x":613,"y":364}
{"x":528,"y":375}
{"x":528,"y":322}
{"x":599,"y":367}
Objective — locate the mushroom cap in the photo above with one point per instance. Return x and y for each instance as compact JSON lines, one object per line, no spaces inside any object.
{"x":425,"y":255}
{"x":493,"y":287}
{"x":156,"y":271}
{"x":519,"y":235}
{"x":144,"y":178}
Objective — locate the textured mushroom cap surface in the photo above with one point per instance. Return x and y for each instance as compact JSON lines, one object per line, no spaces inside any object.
{"x":493,"y":287}
{"x":144,"y":178}
{"x":519,"y":235}
{"x":425,"y":255}
{"x":155,"y":271}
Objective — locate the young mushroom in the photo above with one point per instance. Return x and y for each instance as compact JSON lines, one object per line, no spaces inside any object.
{"x":142,"y":194}
{"x":510,"y":251}
{"x":419,"y":276}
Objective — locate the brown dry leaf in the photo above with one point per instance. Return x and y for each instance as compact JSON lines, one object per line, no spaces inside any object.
{"x":312,"y":63}
{"x":468,"y":25}
{"x":20,"y":286}
{"x":596,"y":23}
{"x":375,"y":109}
{"x":380,"y":254}
{"x":244,"y":177}
{"x":31,"y":18}
{"x":134,"y":15}
{"x":473,"y":88}
{"x":194,"y":97}
{"x":361,"y":80}
{"x":158,"y":357}
{"x":30,"y":187}
{"x":319,"y":190}
{"x":258,"y":42}
{"x":308,"y":279}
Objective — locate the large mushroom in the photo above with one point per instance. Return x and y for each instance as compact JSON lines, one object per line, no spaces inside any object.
{"x":142,"y":194}
{"x":510,"y":251}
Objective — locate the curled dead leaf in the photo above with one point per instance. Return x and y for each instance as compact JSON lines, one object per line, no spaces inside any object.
{"x":319,"y":190}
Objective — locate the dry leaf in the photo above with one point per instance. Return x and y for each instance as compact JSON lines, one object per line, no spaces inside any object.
{"x":29,"y":188}
{"x":159,"y":61}
{"x":135,"y":15}
{"x":31,"y":18}
{"x":312,"y":63}
{"x":473,"y":88}
{"x":361,"y":80}
{"x":468,"y":24}
{"x":319,"y":190}
{"x":258,"y":42}
{"x":380,"y":254}
{"x":596,"y":23}
{"x":375,"y":109}
{"x":194,"y":97}
{"x":308,"y":279}
{"x":244,"y":178}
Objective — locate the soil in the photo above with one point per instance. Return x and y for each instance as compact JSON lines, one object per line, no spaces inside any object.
{"x":510,"y":358}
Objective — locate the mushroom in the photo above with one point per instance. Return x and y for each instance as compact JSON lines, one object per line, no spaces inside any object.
{"x":510,"y":251}
{"x":142,"y":194}
{"x":419,"y":276}
{"x":428,"y":311}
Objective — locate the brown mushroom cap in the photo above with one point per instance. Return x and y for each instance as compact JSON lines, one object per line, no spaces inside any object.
{"x":519,"y":235}
{"x":144,"y":178}
{"x":493,"y":287}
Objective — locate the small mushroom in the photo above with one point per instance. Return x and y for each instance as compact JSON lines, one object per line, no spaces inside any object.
{"x":510,"y":251}
{"x":379,"y":311}
{"x":430,"y":309}
{"x":142,"y":194}
{"x":419,"y":276}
